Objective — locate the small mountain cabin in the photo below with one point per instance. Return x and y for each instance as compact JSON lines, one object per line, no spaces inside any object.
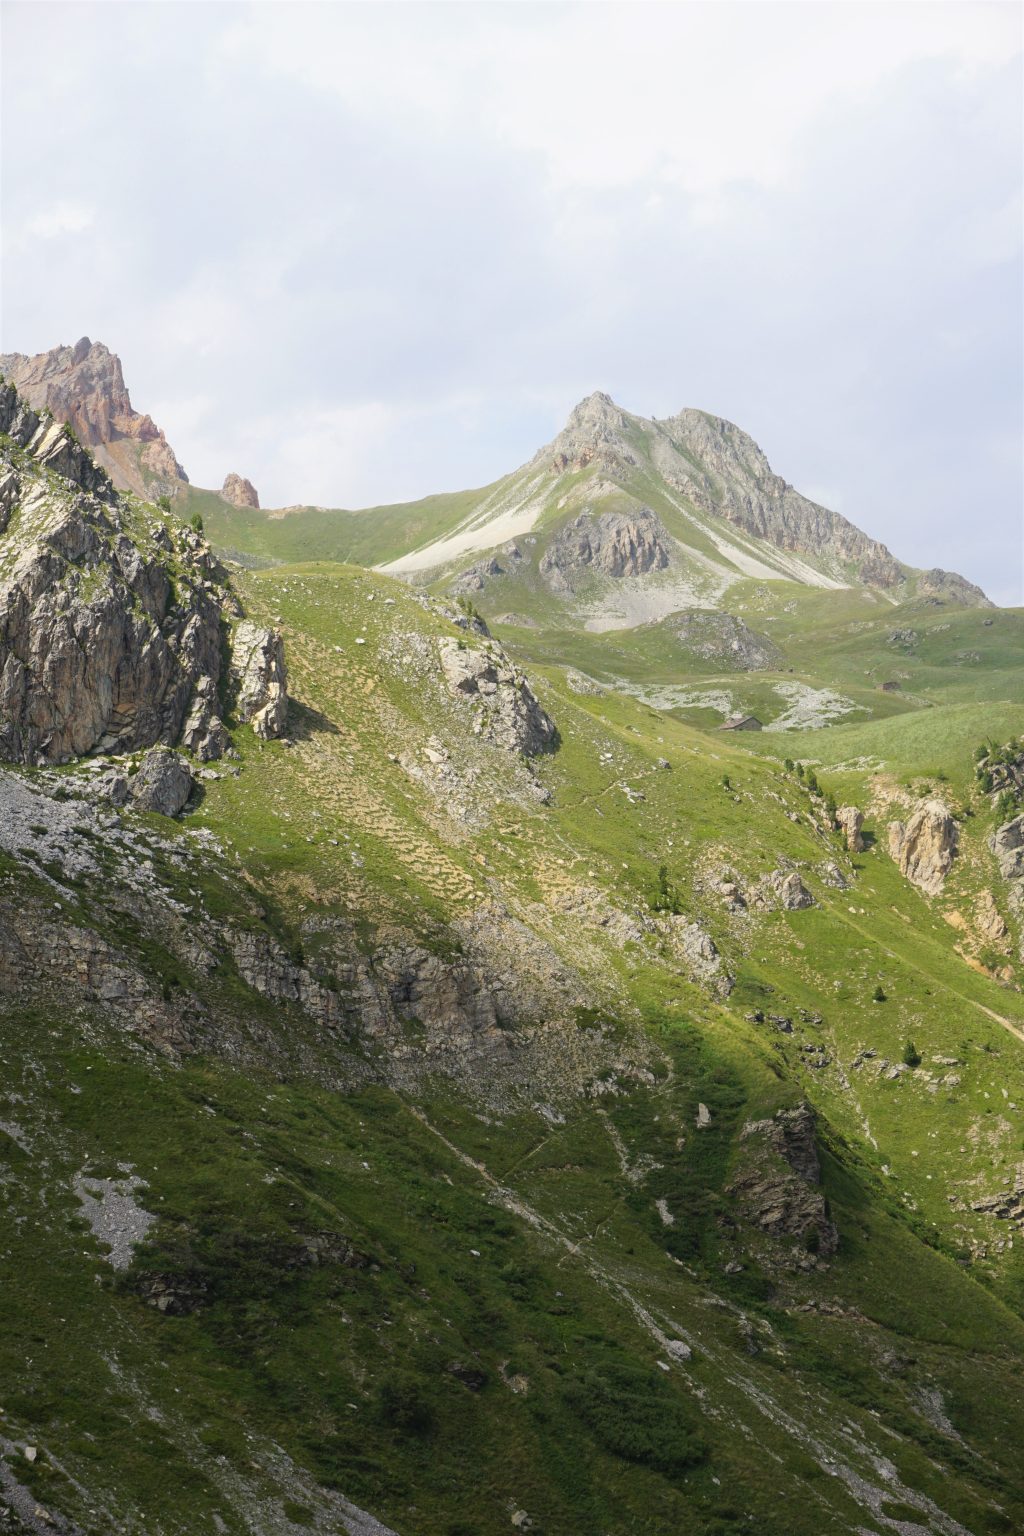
{"x":741,"y":723}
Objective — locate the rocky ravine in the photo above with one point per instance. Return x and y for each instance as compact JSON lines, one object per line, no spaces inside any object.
{"x":112,"y":619}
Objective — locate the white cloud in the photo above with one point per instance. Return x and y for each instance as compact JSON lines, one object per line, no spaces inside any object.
{"x":364,"y":252}
{"x":59,"y":219}
{"x":694,"y":96}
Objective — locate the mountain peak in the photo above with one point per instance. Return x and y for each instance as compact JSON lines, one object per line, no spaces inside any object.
{"x":596,"y":432}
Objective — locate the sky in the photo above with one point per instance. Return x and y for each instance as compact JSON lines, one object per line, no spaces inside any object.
{"x":361,"y":253}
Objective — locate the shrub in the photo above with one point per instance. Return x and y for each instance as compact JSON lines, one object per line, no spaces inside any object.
{"x":667,"y":897}
{"x":164,"y":502}
{"x":636,"y":1415}
{"x":911,"y":1054}
{"x":195,"y":522}
{"x":403,"y":1403}
{"x":879,"y":995}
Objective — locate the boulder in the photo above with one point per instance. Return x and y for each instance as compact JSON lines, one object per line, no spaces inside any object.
{"x":850,"y":821}
{"x":792,"y":893}
{"x":926,"y":846}
{"x":259,"y":672}
{"x":163,"y":782}
{"x":506,"y":709}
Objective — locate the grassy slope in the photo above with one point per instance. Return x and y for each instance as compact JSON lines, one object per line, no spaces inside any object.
{"x":369,"y":536}
{"x":356,"y":1386}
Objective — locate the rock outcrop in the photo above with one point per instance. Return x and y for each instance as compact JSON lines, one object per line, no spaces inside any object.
{"x":948,"y":587}
{"x":1007,"y":843}
{"x":505,"y":708}
{"x":613,"y":543}
{"x":261,"y":678}
{"x":779,"y":1189}
{"x":163,"y":783}
{"x":239,"y":491}
{"x":780,"y":889}
{"x":84,"y":386}
{"x":850,"y":822}
{"x":504,"y":562}
{"x":724,"y":639}
{"x":925,"y":847}
{"x":99,"y":647}
{"x":691,"y":944}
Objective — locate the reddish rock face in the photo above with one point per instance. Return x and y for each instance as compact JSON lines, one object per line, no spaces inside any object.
{"x":84,"y":386}
{"x":240,"y":492}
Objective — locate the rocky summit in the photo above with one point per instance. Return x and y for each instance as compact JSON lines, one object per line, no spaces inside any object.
{"x":83,"y":386}
{"x":451,"y":1084}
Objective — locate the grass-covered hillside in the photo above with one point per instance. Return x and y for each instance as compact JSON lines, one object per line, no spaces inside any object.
{"x":510,"y":1144}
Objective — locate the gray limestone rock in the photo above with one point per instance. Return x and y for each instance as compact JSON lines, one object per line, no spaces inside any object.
{"x":725,"y":639}
{"x":850,"y":822}
{"x":99,"y":648}
{"x":1007,"y":843}
{"x":258,"y":669}
{"x":612,"y":544}
{"x":506,"y":710}
{"x":926,"y":846}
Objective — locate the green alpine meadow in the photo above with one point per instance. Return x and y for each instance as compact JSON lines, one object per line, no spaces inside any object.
{"x":511,"y":1005}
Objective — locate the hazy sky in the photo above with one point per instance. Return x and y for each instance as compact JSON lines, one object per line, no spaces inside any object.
{"x":365,"y":252}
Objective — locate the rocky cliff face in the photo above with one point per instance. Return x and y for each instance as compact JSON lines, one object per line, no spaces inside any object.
{"x":1007,"y":843}
{"x":84,"y":386}
{"x":779,"y":1187}
{"x":612,"y":544}
{"x":108,"y":625}
{"x":111,"y":619}
{"x":739,"y":484}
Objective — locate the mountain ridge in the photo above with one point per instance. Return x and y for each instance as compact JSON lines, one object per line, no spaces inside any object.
{"x":700,"y":466}
{"x":732,"y":514}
